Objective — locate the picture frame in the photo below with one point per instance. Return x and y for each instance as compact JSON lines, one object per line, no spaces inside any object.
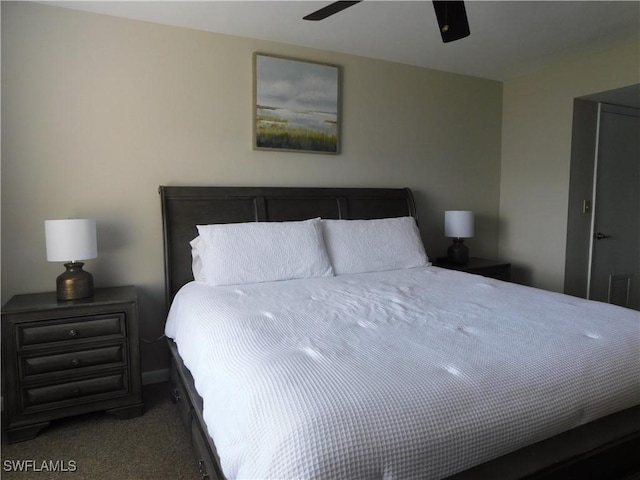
{"x":296,"y":105}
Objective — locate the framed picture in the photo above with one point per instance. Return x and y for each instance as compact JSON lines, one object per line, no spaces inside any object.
{"x":296,"y":105}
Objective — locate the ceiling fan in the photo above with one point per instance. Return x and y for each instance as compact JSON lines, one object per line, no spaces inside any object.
{"x":451,"y":15}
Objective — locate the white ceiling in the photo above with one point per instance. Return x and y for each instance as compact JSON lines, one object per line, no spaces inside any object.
{"x":508,"y":38}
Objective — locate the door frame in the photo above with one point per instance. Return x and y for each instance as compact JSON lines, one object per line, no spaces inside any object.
{"x":592,"y":228}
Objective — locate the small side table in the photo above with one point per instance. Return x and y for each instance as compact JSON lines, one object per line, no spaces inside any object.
{"x":480,"y":266}
{"x":63,"y":358}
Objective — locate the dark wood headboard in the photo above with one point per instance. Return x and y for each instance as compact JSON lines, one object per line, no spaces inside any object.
{"x":185,"y":207}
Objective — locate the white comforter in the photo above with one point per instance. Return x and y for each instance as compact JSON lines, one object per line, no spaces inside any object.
{"x":416,"y":373}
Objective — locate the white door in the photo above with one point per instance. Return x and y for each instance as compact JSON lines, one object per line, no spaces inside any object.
{"x":615,"y":261}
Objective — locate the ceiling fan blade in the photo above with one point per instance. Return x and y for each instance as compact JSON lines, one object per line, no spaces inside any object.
{"x":330,"y":9}
{"x":452,"y":19}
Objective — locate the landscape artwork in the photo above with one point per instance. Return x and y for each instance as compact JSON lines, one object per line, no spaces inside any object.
{"x":296,"y":105}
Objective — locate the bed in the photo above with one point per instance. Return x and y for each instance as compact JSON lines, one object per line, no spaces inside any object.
{"x":308,"y":377}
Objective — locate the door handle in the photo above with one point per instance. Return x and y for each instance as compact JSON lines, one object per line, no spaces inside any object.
{"x":600,"y":236}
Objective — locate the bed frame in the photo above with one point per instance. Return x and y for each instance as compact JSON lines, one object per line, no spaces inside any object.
{"x":606,"y":448}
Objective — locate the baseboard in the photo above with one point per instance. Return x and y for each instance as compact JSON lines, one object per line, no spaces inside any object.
{"x":155,"y":376}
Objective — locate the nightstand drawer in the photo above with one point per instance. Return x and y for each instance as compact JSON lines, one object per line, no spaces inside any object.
{"x":74,"y":390}
{"x":499,"y":272}
{"x":79,"y":328}
{"x":72,"y":360}
{"x":479,"y":266}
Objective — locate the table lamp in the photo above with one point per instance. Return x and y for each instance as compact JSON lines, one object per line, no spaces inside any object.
{"x":458,"y":224}
{"x":69,"y":241}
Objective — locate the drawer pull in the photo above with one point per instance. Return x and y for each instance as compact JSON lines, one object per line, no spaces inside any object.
{"x":175,"y":395}
{"x":203,"y":470}
{"x":73,"y":332}
{"x":75,"y":362}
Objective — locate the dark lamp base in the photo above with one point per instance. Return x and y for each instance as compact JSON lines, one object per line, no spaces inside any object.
{"x":458,"y":252}
{"x":75,"y":283}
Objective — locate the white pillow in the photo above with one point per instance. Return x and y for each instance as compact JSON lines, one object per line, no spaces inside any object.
{"x":197,"y":253}
{"x":358,"y":246}
{"x":238,"y":253}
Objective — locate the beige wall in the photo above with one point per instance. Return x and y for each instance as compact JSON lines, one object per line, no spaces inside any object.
{"x":536,"y":155}
{"x":99,"y":111}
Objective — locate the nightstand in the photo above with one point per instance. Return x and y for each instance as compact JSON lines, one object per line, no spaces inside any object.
{"x":479,"y":266}
{"x":63,"y":358}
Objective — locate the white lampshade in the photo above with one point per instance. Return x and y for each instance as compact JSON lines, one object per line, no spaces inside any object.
{"x":71,"y":240}
{"x":458,"y":224}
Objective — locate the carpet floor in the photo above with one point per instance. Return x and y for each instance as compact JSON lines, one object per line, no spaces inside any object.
{"x":101,"y":446}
